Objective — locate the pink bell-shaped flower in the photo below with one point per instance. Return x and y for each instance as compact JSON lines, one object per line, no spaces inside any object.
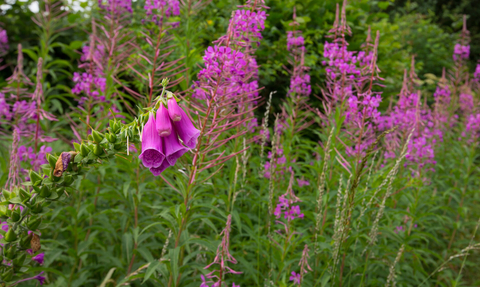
{"x":163,"y":124}
{"x":184,"y":127}
{"x":156,"y":171}
{"x":174,"y":111}
{"x":152,"y":145}
{"x":173,"y":148}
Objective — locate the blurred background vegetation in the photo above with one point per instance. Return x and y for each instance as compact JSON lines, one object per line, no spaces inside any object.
{"x":426,"y":29}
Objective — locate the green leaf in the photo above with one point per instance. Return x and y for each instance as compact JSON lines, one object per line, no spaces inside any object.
{"x":151,"y":268}
{"x":173,"y":255}
{"x":107,"y":278}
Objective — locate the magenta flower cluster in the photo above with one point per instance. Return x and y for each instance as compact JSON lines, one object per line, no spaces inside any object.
{"x":35,"y":159}
{"x":286,"y":206}
{"x":161,"y":147}
{"x":461,"y":52}
{"x":116,"y":6}
{"x":472,"y":128}
{"x":169,"y":7}
{"x":279,"y":163}
{"x":91,"y":82}
{"x":294,"y":40}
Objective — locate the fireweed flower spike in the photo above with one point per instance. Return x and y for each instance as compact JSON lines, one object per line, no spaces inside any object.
{"x":163,"y":124}
{"x":184,"y":127}
{"x":152,"y":155}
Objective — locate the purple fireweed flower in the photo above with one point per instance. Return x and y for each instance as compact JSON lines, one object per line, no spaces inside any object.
{"x":476,"y":74}
{"x":36,"y":159}
{"x":285,"y":206}
{"x":466,"y":103}
{"x":472,"y":128}
{"x":3,"y":41}
{"x":295,"y":278}
{"x":461,"y":52}
{"x":152,"y":155}
{"x":186,"y":130}
{"x":116,"y":6}
{"x":5,"y":110}
{"x":39,"y":258}
{"x":302,"y":182}
{"x":173,"y":148}
{"x":163,"y":123}
{"x":168,"y":7}
{"x":174,"y":111}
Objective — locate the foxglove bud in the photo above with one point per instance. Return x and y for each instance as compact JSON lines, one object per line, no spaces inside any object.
{"x":97,"y":137}
{"x":33,"y":223}
{"x":84,"y":150}
{"x":174,"y":111}
{"x":77,"y":147}
{"x":25,"y":241}
{"x":52,"y":160}
{"x":35,"y":178}
{"x":15,"y":215}
{"x":45,"y":191}
{"x":24,"y":195}
{"x":163,"y":124}
{"x":97,"y":150}
{"x":11,"y":235}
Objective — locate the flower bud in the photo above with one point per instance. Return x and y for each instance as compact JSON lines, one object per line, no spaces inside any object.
{"x":111,"y":138}
{"x":10,"y":252}
{"x":45,"y":191}
{"x":98,"y":150}
{"x":7,"y":194}
{"x":174,"y":110}
{"x":84,"y":150}
{"x":162,"y":123}
{"x":97,"y":137}
{"x":52,"y":160}
{"x":35,"y":178}
{"x":68,"y":180}
{"x":25,"y":241}
{"x":11,"y":235}
{"x":15,"y":216}
{"x":38,"y":208}
{"x":33,"y":223}
{"x":77,"y":147}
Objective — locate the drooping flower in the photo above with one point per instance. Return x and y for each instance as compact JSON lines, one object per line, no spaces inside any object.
{"x":39,"y":258}
{"x":152,"y":155}
{"x":186,"y":130}
{"x":174,"y":111}
{"x":156,"y":171}
{"x":173,"y":148}
{"x":163,"y":123}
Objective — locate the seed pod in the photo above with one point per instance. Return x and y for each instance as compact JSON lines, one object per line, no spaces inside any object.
{"x":35,"y":243}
